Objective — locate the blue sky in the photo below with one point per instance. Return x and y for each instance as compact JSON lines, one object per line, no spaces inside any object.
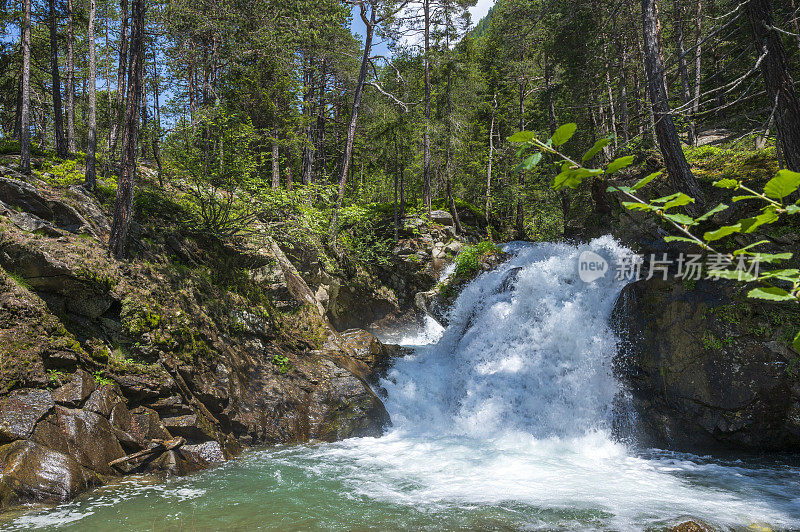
{"x":379,"y":48}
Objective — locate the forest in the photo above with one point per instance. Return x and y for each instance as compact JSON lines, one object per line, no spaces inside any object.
{"x":359,"y":251}
{"x":281,"y":98}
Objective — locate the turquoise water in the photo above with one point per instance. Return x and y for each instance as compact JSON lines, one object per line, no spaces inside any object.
{"x":501,"y":422}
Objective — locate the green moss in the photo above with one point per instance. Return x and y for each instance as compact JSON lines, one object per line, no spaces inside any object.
{"x":282,"y":363}
{"x":138,"y":318}
{"x":20,"y":280}
{"x":711,"y":342}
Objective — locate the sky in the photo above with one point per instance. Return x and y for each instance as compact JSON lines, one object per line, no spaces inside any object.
{"x":478,"y":11}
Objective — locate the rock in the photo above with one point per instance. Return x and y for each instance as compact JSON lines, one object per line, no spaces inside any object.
{"x":91,"y":211}
{"x":32,"y":223}
{"x":454,"y":247}
{"x":703,"y":368}
{"x":33,"y":473}
{"x":21,"y":410}
{"x":442,"y":217}
{"x":346,"y":408}
{"x":177,"y":462}
{"x":145,"y":425}
{"x":438,"y":253}
{"x":691,"y":526}
{"x":84,"y":435}
{"x":192,"y":427}
{"x":171,"y":406}
{"x":103,"y":400}
{"x":25,"y":197}
{"x":76,"y":391}
{"x":210,"y":451}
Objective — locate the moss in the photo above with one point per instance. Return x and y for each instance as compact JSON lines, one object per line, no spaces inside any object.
{"x":105,"y":281}
{"x":138,"y":318}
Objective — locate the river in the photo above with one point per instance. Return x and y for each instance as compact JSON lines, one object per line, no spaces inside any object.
{"x":508,"y":419}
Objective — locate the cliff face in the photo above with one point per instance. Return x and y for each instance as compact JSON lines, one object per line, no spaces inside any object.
{"x":180,"y":358}
{"x":708,"y":368}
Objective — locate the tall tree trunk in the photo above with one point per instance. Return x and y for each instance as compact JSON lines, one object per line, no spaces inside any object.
{"x":698,"y":56}
{"x":308,"y":111}
{"x":276,"y":165}
{"x":680,"y":174}
{"x":321,"y":158}
{"x":25,"y":107}
{"x":520,"y":218}
{"x":123,"y":208}
{"x":91,"y":147}
{"x":780,"y":85}
{"x":18,"y":110}
{"x":686,"y":92}
{"x":351,"y":127}
{"x":548,"y":89}
{"x":624,"y":111}
{"x":451,"y":203}
{"x":796,"y":22}
{"x":426,"y":140}
{"x":489,"y":168}
{"x":58,"y":120}
{"x":116,"y":111}
{"x":157,"y":118}
{"x":643,"y":62}
{"x":70,"y":78}
{"x":288,"y":167}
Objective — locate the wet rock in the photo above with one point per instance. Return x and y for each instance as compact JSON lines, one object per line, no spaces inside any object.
{"x":704,"y":367}
{"x":89,"y":438}
{"x":21,"y":410}
{"x":145,"y":425}
{"x":692,"y":526}
{"x":145,"y":387}
{"x":192,"y":427}
{"x":103,"y":400}
{"x":177,"y":462}
{"x":76,"y":391}
{"x":171,"y":406}
{"x":345,"y":408}
{"x":210,"y":451}
{"x":34,"y":473}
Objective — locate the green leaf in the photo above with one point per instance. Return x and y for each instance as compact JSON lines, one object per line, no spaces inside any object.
{"x":642,"y":182}
{"x":740,"y":198}
{"x":564,"y":133}
{"x":619,"y":188}
{"x":637,"y":206}
{"x":796,"y":342}
{"x":782,"y":184}
{"x":768,"y":216}
{"x":522,"y":136}
{"x":772,"y":257}
{"x":736,"y":275}
{"x":727,"y":183}
{"x":678,"y":239}
{"x":680,"y":218}
{"x":771,"y":293}
{"x":619,"y":164}
{"x":532,"y":161}
{"x":744,"y":249}
{"x":665,"y":198}
{"x":784,"y":275}
{"x":597,"y":148}
{"x":793,"y":209}
{"x":680,"y":201}
{"x":722,"y":232}
{"x":719,"y":208}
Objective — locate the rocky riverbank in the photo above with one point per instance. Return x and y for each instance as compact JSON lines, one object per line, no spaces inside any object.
{"x":180,"y":359}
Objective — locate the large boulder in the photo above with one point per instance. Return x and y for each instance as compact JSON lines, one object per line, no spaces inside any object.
{"x":21,"y":410}
{"x":32,"y":472}
{"x":708,"y":368}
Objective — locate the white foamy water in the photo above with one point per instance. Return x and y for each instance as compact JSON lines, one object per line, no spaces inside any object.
{"x":501,"y":421}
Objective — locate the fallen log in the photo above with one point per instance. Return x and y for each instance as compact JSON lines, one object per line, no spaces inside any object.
{"x":159,"y":447}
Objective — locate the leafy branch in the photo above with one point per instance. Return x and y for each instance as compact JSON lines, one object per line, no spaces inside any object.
{"x":774,"y":194}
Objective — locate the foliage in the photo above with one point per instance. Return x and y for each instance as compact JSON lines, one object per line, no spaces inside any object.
{"x":469,"y":259}
{"x":282,"y":363}
{"x":776,"y":285}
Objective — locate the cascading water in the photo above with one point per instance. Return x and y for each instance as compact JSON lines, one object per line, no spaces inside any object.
{"x":501,"y":421}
